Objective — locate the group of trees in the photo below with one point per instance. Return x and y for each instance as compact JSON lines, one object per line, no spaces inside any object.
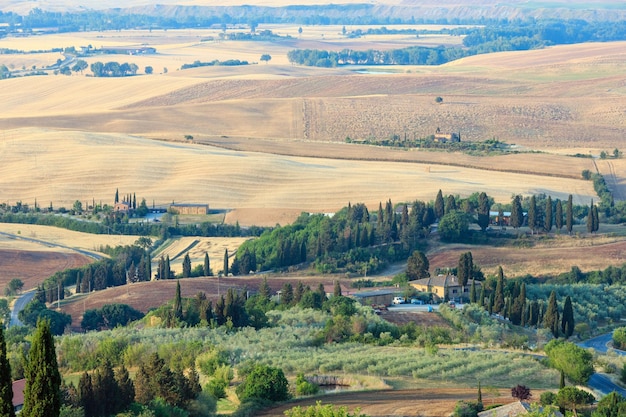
{"x":103,"y":392}
{"x":113,"y":69}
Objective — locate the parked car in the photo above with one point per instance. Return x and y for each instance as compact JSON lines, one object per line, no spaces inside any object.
{"x":416,"y":301}
{"x":398,"y":300}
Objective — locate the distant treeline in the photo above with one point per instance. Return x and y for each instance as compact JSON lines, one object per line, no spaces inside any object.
{"x":115,"y":225}
{"x":215,"y":62}
{"x":480,"y":40}
{"x":328,"y":14}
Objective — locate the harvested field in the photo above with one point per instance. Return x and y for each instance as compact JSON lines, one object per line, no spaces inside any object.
{"x":163,"y":291}
{"x":588,"y":253}
{"x":32,"y":267}
{"x":234,"y":179}
{"x":196,"y":247}
{"x":427,"y":402}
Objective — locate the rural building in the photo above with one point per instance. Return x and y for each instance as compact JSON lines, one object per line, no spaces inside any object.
{"x":517,"y":408}
{"x":189,"y":209}
{"x":376,"y":297}
{"x":443,"y":287}
{"x":494,"y":218}
{"x":18,"y":394}
{"x":446,"y":137}
{"x":122,"y":207}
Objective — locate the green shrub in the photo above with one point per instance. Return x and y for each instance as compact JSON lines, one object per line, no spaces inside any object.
{"x":304,"y":387}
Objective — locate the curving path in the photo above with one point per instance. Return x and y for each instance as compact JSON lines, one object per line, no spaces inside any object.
{"x":598,"y":381}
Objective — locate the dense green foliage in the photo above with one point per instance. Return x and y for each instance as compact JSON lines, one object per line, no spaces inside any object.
{"x":619,"y":338}
{"x":109,"y":316}
{"x":214,"y":63}
{"x":319,"y":410}
{"x":36,"y":310}
{"x":264,"y":382}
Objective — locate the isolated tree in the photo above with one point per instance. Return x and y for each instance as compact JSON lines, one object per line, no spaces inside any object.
{"x":521,"y":392}
{"x":417,"y":266}
{"x":206,"y":266}
{"x":532,"y":214}
{"x":572,"y":398}
{"x":117,"y":195}
{"x":42,"y":395}
{"x":266,"y":58}
{"x":439,"y":205}
{"x":225,"y":263}
{"x":558,"y":215}
{"x":186,"y":266}
{"x":567,"y":321}
{"x":149,"y":70}
{"x":6,"y":387}
{"x":517,"y":214}
{"x":595,"y":218}
{"x":483,"y":211}
{"x":569,"y":214}
{"x":547,"y":221}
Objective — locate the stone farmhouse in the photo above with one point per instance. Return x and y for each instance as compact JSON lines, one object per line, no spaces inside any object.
{"x":444,"y":287}
{"x":446,"y":137}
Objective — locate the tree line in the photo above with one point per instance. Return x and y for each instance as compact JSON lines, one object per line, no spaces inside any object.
{"x":113,"y":69}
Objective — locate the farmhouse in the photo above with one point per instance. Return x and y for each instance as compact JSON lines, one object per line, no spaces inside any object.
{"x":18,"y":394}
{"x":122,"y":207}
{"x":189,"y":209}
{"x":443,"y":287}
{"x":446,"y":137}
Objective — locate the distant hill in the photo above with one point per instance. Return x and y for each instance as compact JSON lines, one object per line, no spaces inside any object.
{"x":345,"y":11}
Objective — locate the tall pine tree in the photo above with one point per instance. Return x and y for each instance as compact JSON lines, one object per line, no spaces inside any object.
{"x":439,"y":205}
{"x":533,"y":219}
{"x":206,"y":266}
{"x":517,"y":214}
{"x":186,"y":266}
{"x":178,"y":303}
{"x":483,"y":211}
{"x":225,"y":263}
{"x":42,"y":395}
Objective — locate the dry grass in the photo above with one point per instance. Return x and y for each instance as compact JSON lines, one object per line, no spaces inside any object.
{"x":196,"y":247}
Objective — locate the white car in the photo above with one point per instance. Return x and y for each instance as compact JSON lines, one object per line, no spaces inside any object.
{"x":398,"y":300}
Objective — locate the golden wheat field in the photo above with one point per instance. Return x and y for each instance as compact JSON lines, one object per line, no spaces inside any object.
{"x":268,"y":138}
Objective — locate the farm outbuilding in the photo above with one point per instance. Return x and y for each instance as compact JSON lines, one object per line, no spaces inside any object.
{"x":376,"y":297}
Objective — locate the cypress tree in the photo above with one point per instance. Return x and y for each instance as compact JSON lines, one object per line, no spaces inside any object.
{"x":479,"y":400}
{"x":186,"y":266}
{"x":117,"y":196}
{"x":569,"y":215}
{"x":590,"y":219}
{"x":286,"y":294}
{"x":337,"y":289}
{"x":264,"y":290}
{"x":596,"y":219}
{"x":562,"y":380}
{"x":517,"y":214}
{"x":126,"y":389}
{"x":439,"y":205}
{"x":481,"y":300}
{"x":532,"y":214}
{"x":472,"y":295}
{"x":558,"y":216}
{"x":86,"y":395}
{"x":298,"y":292}
{"x":547,"y":224}
{"x":567,"y":321}
{"x":178,"y":303}
{"x":498,"y":304}
{"x":551,"y":315}
{"x":483,"y":211}
{"x":225,"y":263}
{"x":465,"y":268}
{"x":42,"y":396}
{"x":206,"y":266}
{"x":491,"y":302}
{"x":6,"y":384}
{"x":450,"y":204}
